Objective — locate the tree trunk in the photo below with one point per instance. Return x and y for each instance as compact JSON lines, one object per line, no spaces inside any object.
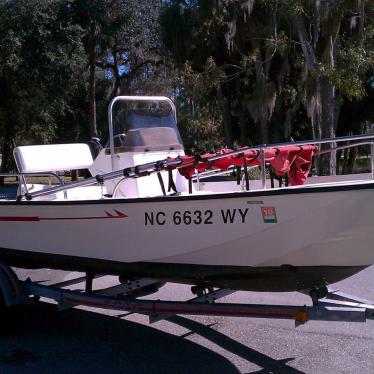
{"x":226,"y":118}
{"x":287,"y":126}
{"x":323,"y":118}
{"x":262,"y":89}
{"x":328,"y":120}
{"x":243,"y":128}
{"x":264,"y":130}
{"x":92,"y":93}
{"x":7,"y":149}
{"x":349,"y":163}
{"x":117,"y":78}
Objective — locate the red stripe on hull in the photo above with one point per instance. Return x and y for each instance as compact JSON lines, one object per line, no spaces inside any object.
{"x":20,"y":219}
{"x":74,"y":218}
{"x":38,"y":219}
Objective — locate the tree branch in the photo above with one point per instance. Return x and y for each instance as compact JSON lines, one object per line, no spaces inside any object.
{"x":308,"y":52}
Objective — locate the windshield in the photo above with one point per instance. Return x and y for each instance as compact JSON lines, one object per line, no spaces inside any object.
{"x":140,"y":126}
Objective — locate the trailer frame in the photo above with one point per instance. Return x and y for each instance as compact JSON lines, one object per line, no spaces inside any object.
{"x":334,"y":306}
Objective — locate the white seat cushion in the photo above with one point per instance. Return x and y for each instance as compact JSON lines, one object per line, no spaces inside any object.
{"x":52,"y":157}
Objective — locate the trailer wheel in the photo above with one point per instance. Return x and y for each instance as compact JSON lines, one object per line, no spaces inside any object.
{"x":4,"y":316}
{"x":11,"y":318}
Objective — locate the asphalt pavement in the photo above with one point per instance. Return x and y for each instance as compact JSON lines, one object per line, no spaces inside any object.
{"x":87,"y":340}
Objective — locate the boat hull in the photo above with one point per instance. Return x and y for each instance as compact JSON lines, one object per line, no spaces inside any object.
{"x":232,"y":240}
{"x":266,"y":279}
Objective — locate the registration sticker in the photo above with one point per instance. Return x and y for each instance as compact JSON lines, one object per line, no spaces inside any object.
{"x":268,"y":214}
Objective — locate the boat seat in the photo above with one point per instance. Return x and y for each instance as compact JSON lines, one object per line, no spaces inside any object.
{"x":52,"y":157}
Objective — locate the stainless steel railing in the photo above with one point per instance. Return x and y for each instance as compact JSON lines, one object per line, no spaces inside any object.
{"x":261,"y":148}
{"x":22,"y":178}
{"x":146,"y":169}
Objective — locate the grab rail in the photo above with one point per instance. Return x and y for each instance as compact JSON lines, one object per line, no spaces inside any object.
{"x":22,"y":181}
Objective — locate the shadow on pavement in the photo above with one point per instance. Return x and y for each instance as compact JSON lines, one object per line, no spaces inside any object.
{"x":87,"y":342}
{"x":268,"y":364}
{"x":77,"y":341}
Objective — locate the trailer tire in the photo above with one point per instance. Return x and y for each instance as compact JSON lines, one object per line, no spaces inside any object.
{"x":11,"y":318}
{"x":4,"y":316}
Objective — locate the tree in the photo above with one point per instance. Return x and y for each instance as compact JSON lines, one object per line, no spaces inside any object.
{"x":134,"y":58}
{"x":284,"y":67}
{"x":97,"y":19}
{"x":121,"y":44}
{"x":39,"y":64}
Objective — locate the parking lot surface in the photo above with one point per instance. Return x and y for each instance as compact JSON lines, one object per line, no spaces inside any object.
{"x":87,"y":340}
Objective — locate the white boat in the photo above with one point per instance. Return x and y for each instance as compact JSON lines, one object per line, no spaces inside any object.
{"x":139,"y":216}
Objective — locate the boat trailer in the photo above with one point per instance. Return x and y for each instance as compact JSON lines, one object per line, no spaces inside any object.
{"x":327,"y":306}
